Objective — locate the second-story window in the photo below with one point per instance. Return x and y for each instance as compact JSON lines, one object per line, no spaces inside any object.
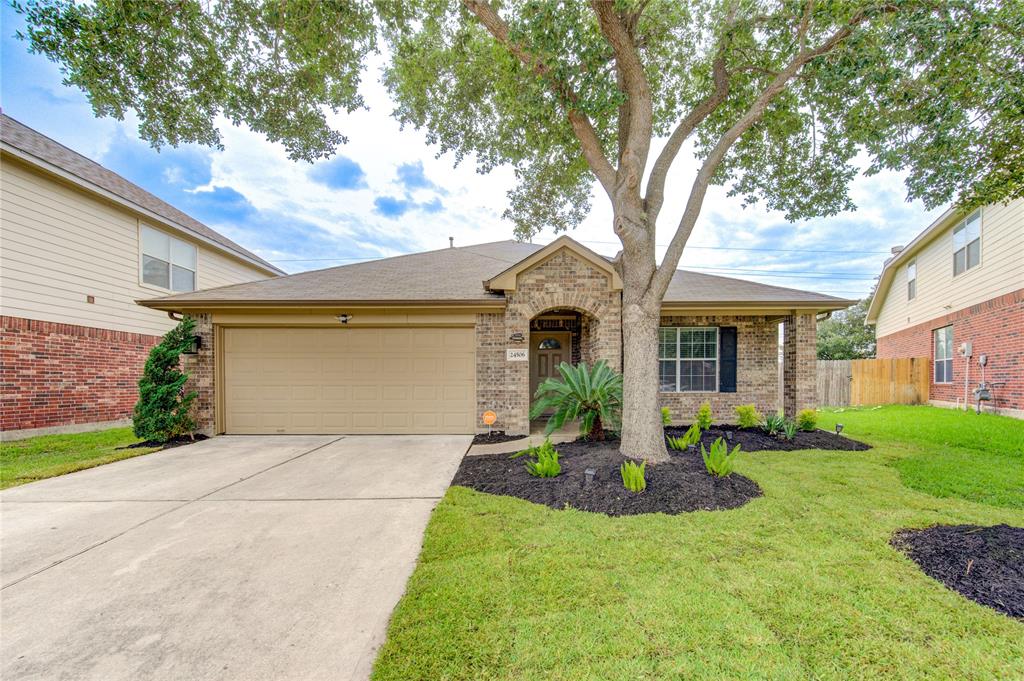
{"x":967,"y":243}
{"x":167,"y":262}
{"x":912,"y":280}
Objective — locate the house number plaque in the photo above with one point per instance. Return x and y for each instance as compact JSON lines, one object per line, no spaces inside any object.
{"x":517,"y":354}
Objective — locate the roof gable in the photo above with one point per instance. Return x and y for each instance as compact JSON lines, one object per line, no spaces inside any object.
{"x":506,"y":280}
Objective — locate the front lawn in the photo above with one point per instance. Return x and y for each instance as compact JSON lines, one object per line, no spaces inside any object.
{"x":800,"y":583}
{"x":49,"y":455}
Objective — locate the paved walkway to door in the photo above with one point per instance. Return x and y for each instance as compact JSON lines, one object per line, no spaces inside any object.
{"x":239,"y":557}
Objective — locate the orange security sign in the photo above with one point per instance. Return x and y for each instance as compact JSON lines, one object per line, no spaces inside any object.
{"x":489,"y":417}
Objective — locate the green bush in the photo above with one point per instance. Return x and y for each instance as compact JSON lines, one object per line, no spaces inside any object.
{"x":774,"y":423}
{"x":666,"y":416}
{"x":164,"y":409}
{"x":720,"y":462}
{"x":789,"y":429}
{"x":545,"y":463}
{"x":807,"y":420}
{"x":691,"y":437}
{"x":704,"y":416}
{"x":633,"y":475}
{"x":748,"y":416}
{"x":592,"y":395}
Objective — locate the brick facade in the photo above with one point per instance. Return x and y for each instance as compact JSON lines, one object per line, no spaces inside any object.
{"x":201,"y":368}
{"x":55,"y":375}
{"x":757,"y":370}
{"x":561,"y":282}
{"x":994,"y":328}
{"x":799,"y":363}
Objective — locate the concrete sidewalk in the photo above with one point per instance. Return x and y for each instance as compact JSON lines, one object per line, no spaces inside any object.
{"x":276,"y":557}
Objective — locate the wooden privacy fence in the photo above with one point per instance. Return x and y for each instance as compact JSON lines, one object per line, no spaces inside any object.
{"x":874,"y":381}
{"x":833,"y":382}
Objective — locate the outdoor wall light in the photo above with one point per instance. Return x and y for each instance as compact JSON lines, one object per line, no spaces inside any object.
{"x":197,"y":343}
{"x":517,"y":337}
{"x":839,"y":428}
{"x":343,"y":318}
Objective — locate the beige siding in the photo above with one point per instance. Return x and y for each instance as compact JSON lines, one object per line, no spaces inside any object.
{"x":59,"y":244}
{"x":938,"y":292}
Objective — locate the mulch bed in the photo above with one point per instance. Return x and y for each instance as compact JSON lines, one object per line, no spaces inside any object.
{"x":173,"y":442}
{"x":678,"y":485}
{"x":985,"y":564}
{"x":756,"y":440}
{"x":494,"y":437}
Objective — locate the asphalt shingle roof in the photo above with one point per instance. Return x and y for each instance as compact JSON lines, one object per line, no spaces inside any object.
{"x":39,"y":146}
{"x":457,"y":275}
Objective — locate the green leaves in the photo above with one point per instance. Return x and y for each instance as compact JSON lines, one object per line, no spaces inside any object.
{"x":747,"y":416}
{"x":544,"y":460}
{"x":845,"y":335}
{"x":592,"y":395}
{"x":720,"y":462}
{"x":633,"y":475}
{"x":163,"y":411}
{"x":690,"y":437}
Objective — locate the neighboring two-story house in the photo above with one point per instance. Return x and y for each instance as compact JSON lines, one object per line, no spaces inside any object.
{"x":79,"y":245}
{"x":956,"y":290}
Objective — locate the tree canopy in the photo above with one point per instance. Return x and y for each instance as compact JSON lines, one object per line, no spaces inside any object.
{"x":845,"y":335}
{"x":935,"y":87}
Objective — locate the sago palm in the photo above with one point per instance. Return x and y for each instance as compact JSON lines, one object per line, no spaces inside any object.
{"x":592,"y":395}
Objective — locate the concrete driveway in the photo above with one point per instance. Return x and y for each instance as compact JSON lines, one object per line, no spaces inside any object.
{"x":270,"y":557}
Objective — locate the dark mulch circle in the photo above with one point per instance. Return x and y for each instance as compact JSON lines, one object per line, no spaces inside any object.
{"x":494,"y":437}
{"x":173,"y":442}
{"x":756,"y":440}
{"x":985,"y":564}
{"x":678,"y":485}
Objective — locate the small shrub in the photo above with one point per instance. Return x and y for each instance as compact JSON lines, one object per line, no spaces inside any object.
{"x":748,"y":416}
{"x":545,"y":464}
{"x":691,"y":437}
{"x":807,"y":420}
{"x":164,"y":409}
{"x":633,"y":475}
{"x":774,"y":423}
{"x":789,"y":429}
{"x":666,"y":416}
{"x":591,"y":395}
{"x":720,"y":462}
{"x":704,"y":416}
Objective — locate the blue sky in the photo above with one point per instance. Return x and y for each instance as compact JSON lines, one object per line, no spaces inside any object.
{"x":387,"y":192}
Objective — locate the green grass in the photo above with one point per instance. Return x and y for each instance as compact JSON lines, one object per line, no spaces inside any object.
{"x":46,"y":456}
{"x":947,"y":453}
{"x":799,"y":584}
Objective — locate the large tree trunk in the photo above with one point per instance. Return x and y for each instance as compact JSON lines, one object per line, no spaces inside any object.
{"x":643,"y":436}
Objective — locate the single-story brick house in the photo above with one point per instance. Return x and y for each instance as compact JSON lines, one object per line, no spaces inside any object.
{"x":425,"y":343}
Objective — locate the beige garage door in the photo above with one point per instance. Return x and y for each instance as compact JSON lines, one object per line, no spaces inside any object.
{"x":349,"y":380}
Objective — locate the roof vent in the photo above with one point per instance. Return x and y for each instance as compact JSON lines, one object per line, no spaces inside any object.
{"x":451,"y":242}
{"x":895,"y":250}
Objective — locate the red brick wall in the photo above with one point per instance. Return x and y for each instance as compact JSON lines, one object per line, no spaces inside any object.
{"x":62,"y":374}
{"x":995,"y":328}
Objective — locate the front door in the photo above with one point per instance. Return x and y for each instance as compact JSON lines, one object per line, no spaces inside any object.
{"x":547,"y":351}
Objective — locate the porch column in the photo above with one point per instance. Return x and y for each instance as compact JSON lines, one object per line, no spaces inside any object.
{"x":201,"y":370}
{"x":799,"y":363}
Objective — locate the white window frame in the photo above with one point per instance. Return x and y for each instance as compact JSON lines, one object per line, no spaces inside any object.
{"x":946,"y":359}
{"x":962,"y":225}
{"x":678,"y":359}
{"x":912,"y":279}
{"x":173,"y":243}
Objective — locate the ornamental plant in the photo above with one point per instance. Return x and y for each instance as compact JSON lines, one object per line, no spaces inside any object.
{"x":774,"y":423}
{"x":720,"y":462}
{"x":593,"y":395}
{"x":633,"y":475}
{"x":690,"y":437}
{"x":164,"y":409}
{"x":666,"y":416}
{"x":789,"y":429}
{"x":544,"y":460}
{"x":748,"y":416}
{"x":704,"y":416}
{"x":807,"y":420}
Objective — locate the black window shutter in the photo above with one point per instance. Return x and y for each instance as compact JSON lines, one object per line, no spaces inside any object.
{"x":727,"y":359}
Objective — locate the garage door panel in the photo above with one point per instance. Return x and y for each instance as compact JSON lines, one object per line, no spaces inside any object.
{"x":349,"y":380}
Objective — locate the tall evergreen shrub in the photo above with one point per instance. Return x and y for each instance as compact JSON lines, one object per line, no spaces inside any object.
{"x":163,"y":411}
